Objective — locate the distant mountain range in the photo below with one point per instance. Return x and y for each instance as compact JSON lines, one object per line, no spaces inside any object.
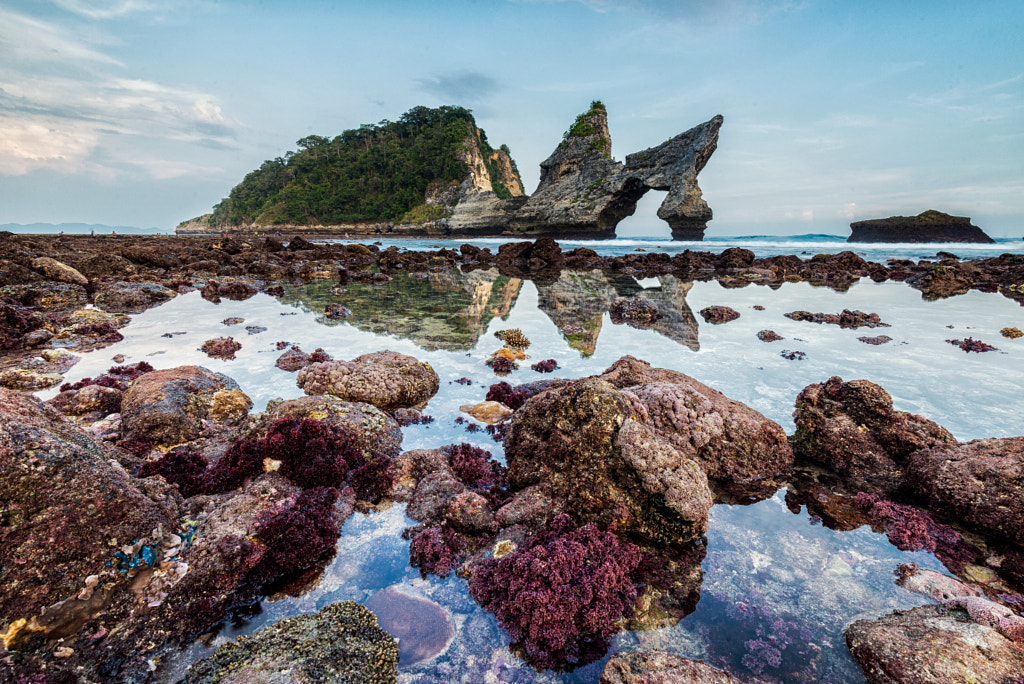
{"x":79,"y":228}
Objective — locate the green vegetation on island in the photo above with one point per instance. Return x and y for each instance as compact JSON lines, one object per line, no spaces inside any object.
{"x":377,"y":172}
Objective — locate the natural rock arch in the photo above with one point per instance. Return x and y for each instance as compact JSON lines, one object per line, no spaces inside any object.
{"x":583,"y":192}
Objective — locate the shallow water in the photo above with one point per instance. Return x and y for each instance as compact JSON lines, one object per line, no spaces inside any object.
{"x":766,"y":568}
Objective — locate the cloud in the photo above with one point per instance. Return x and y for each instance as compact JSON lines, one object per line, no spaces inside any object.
{"x":462,"y":86}
{"x":163,"y":169}
{"x":691,"y":11}
{"x":115,"y":9}
{"x":24,"y":40}
{"x":27,"y":144}
{"x":62,"y":100}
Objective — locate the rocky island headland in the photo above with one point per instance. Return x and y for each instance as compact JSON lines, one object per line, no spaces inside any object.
{"x":434,"y":173}
{"x":928,"y":226}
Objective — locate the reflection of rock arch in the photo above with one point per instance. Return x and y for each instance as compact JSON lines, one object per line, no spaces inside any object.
{"x":577,"y":302}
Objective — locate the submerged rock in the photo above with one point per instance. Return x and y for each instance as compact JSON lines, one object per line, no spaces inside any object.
{"x":386,"y":379}
{"x":659,"y":667}
{"x":423,"y":628}
{"x":342,"y":644}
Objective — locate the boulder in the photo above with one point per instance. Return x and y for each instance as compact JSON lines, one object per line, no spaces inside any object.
{"x":732,"y":442}
{"x":341,"y":644}
{"x":168,"y":407}
{"x":378,"y":434}
{"x":659,"y":667}
{"x":980,"y":483}
{"x":47,"y":294}
{"x":584,"y":442}
{"x":56,"y":270}
{"x":292,"y":360}
{"x":928,"y":226}
{"x":121,"y":297}
{"x":852,"y":429}
{"x":65,"y":500}
{"x":927,"y":645}
{"x":232,"y":553}
{"x":89,"y":399}
{"x":386,"y":379}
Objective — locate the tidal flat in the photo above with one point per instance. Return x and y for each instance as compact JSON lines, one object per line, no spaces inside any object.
{"x":786,"y":563}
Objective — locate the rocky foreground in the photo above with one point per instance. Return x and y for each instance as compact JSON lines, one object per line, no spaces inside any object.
{"x":143,"y":507}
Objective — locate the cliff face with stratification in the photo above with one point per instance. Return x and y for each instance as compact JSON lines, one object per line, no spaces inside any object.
{"x":928,"y":226}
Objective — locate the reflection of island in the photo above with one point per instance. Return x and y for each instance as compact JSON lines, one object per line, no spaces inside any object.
{"x":438,"y":310}
{"x":577,"y":302}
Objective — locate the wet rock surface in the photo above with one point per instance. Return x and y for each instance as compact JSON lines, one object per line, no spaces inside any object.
{"x":65,"y":498}
{"x":929,"y":645}
{"x":980,"y":482}
{"x":167,"y":407}
{"x":385,"y":379}
{"x":852,"y":429}
{"x":341,"y":644}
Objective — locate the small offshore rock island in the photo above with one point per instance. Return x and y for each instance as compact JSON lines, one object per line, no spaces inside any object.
{"x":434,"y":173}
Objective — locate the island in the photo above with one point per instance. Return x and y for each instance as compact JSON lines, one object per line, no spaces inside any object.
{"x":928,"y":226}
{"x":434,"y":173}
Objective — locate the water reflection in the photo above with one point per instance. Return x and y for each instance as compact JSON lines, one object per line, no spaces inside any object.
{"x":437,"y":310}
{"x":577,"y":302}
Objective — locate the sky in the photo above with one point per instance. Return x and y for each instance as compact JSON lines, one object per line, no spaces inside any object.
{"x":147,"y":112}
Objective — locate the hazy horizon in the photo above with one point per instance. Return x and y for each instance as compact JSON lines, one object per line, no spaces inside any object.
{"x":146,"y":113}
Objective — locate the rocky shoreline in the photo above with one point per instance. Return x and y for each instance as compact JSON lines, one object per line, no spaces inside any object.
{"x":143,"y":507}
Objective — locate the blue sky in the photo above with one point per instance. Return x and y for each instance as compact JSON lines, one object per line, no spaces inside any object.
{"x":147,"y":112}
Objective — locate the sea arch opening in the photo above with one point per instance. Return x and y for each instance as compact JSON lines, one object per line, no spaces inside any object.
{"x":644,"y":221}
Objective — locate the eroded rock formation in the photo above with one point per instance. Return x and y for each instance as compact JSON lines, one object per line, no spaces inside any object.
{"x":584,"y":192}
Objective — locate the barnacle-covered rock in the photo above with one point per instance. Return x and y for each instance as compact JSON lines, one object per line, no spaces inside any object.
{"x":341,"y":644}
{"x":64,"y":499}
{"x":852,"y":429}
{"x":167,"y":407}
{"x":386,"y":379}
